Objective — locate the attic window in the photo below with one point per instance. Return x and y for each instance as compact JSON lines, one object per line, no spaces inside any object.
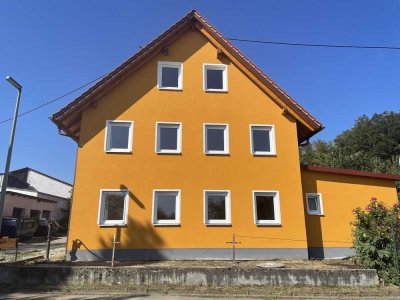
{"x":215,"y":77}
{"x":118,"y":136}
{"x":169,"y":75}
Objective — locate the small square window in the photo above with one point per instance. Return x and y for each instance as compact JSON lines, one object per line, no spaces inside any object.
{"x":166,"y":207}
{"x":314,"y":204}
{"x":262,"y":140}
{"x":266,"y":208}
{"x":216,"y":139}
{"x":215,"y":77}
{"x":169,"y":75}
{"x":118,"y":136}
{"x":168,"y":137}
{"x":217,"y":208}
{"x":113,"y":207}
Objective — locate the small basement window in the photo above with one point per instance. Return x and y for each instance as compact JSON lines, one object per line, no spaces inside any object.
{"x":215,"y":77}
{"x":169,"y":75}
{"x":118,"y":136}
{"x":262,"y":139}
{"x":113,"y":207}
{"x":166,"y":207}
{"x":216,"y":139}
{"x":168,"y":137}
{"x":217,"y":208}
{"x":266,"y":208}
{"x":314,"y":204}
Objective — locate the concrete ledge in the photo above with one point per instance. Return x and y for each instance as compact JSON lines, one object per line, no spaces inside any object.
{"x":330,"y":252}
{"x":33,"y":276}
{"x":188,"y":254}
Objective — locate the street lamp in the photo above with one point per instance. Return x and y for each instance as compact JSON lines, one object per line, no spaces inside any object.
{"x":10,"y":147}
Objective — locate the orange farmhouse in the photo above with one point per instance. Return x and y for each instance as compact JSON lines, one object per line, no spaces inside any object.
{"x":188,"y":145}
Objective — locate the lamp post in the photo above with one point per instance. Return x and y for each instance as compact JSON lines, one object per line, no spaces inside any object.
{"x":10,"y":148}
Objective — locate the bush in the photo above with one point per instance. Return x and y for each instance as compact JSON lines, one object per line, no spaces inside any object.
{"x":373,"y":238}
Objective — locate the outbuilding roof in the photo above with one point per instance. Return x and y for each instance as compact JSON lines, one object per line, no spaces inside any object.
{"x":68,"y":118}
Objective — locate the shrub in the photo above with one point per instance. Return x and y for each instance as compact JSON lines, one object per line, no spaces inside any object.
{"x":373,"y":238}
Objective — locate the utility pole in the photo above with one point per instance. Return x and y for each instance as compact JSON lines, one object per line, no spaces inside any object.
{"x":10,"y":147}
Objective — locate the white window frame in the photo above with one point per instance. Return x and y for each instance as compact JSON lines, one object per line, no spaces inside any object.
{"x":271,"y":130}
{"x":100,"y":219}
{"x":277,"y":208}
{"x":178,"y":141}
{"x":170,"y":64}
{"x":222,"y":67}
{"x":226,"y":138}
{"x":319,"y":212}
{"x":107,"y":137}
{"x":227,"y":220}
{"x":177,"y":220}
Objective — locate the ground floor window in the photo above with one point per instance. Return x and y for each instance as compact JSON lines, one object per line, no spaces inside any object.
{"x":314,"y":204}
{"x":266,"y":208}
{"x":113,"y":208}
{"x":18,"y":212}
{"x":217,"y":208}
{"x":34,"y":213}
{"x":166,"y":207}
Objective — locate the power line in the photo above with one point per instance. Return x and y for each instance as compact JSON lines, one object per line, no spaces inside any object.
{"x":232,"y":39}
{"x":316,"y":45}
{"x":55,"y":99}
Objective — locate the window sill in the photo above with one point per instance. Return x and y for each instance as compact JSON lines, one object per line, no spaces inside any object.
{"x":216,"y":91}
{"x":216,"y":153}
{"x":118,"y":151}
{"x":264,"y":154}
{"x":269,"y":224}
{"x":218,"y":224}
{"x":169,"y":152}
{"x":166,"y":224}
{"x":315,"y":214}
{"x":169,"y":89}
{"x":113,"y":225}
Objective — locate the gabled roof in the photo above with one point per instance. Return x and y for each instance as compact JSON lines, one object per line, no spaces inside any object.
{"x":68,"y":118}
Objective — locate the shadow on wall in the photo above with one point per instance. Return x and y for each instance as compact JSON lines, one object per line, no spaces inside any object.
{"x":136,"y":240}
{"x":314,"y":231}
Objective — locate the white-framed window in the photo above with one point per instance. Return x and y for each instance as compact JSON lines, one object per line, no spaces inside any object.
{"x":217,"y":207}
{"x":266,"y":208}
{"x":169,"y":75}
{"x":215,"y":77}
{"x":262,"y":139}
{"x":119,"y":136}
{"x":166,"y":207}
{"x":168,"y":137}
{"x":216,"y":138}
{"x":314,"y":204}
{"x":113,"y":207}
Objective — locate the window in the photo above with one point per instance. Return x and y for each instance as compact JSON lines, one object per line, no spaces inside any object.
{"x":113,"y":207}
{"x":216,"y":139}
{"x":34,"y":213}
{"x":18,"y":212}
{"x":166,"y":207}
{"x":118,"y":136}
{"x":169,"y":75}
{"x":215,"y":78}
{"x":46,"y":214}
{"x":217,"y":208}
{"x":262,"y":140}
{"x":168,"y":137}
{"x":266,"y":208}
{"x":314,"y":204}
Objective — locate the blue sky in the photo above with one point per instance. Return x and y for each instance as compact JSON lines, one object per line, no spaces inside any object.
{"x":52,"y":47}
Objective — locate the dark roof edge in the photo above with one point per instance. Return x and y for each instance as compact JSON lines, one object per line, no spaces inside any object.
{"x":392,"y":177}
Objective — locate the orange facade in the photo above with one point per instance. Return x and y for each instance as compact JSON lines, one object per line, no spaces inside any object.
{"x":193,"y":176}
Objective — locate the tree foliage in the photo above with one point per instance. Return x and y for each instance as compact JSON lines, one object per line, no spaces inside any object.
{"x":373,"y":238}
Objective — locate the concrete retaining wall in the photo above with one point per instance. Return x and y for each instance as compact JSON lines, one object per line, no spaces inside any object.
{"x":129,"y":276}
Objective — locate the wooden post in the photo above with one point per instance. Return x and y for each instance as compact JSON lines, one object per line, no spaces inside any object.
{"x":49,"y":225}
